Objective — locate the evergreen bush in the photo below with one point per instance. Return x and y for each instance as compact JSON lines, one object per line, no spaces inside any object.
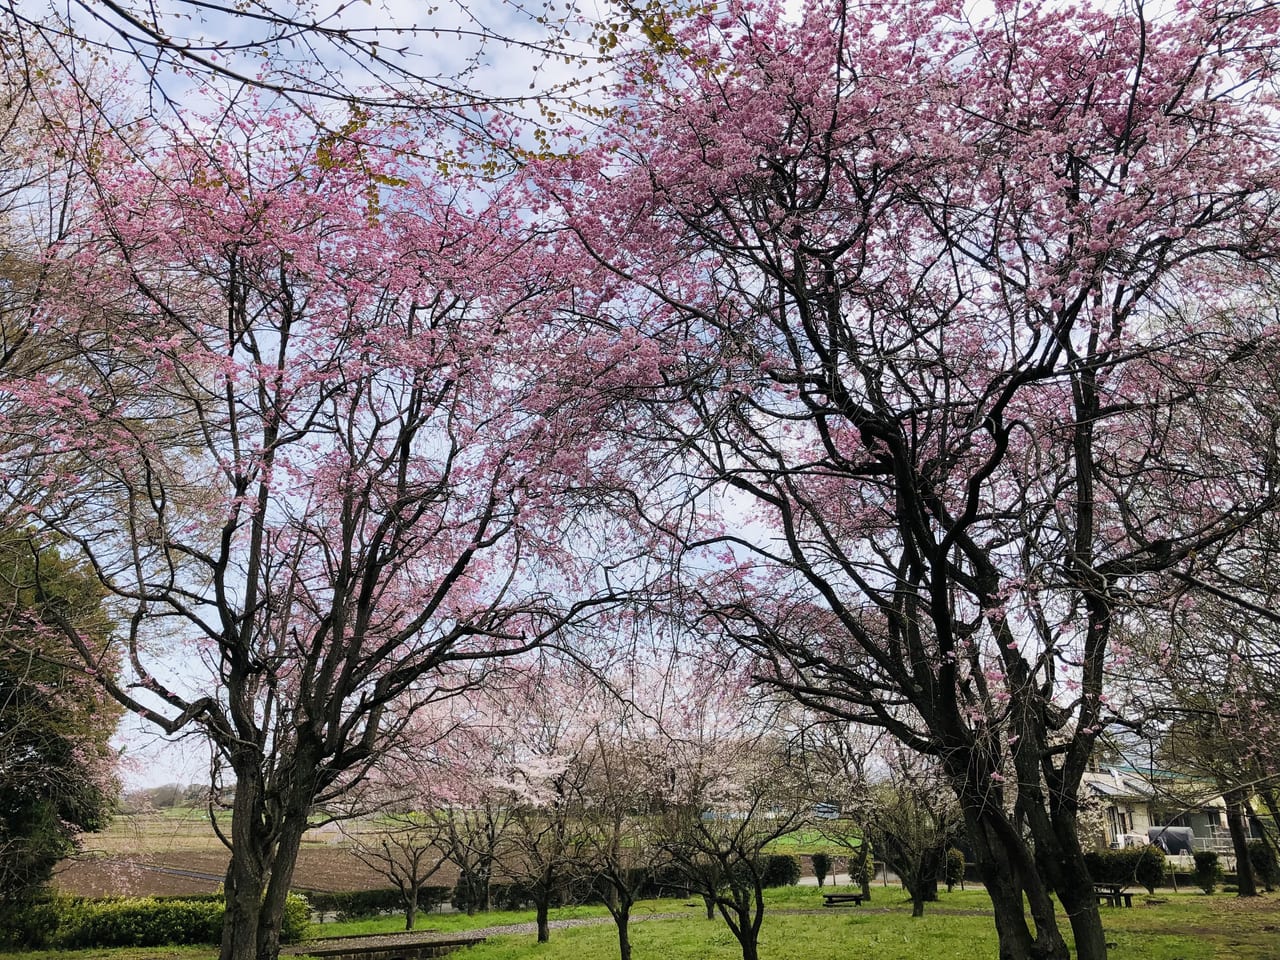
{"x":1142,"y":865}
{"x":781,"y":870}
{"x":71,"y":923}
{"x":1208,"y":870}
{"x":359,"y":904}
{"x":954,"y":868}
{"x":821,"y":867}
{"x":1263,"y":860}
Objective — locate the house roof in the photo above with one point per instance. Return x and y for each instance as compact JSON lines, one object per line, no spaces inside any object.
{"x":1113,"y":784}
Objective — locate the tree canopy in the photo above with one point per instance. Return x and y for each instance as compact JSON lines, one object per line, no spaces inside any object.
{"x":908,"y":360}
{"x":57,"y":769}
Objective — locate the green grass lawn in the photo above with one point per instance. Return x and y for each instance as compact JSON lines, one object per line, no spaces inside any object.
{"x":460,"y":922}
{"x":1185,"y":926}
{"x":812,"y":841}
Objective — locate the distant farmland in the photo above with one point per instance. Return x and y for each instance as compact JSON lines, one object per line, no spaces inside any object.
{"x":176,"y":852}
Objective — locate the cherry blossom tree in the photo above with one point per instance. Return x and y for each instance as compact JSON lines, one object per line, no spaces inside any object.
{"x":305,"y":453}
{"x":396,"y":830}
{"x":58,"y":774}
{"x":315,"y":56}
{"x":464,"y":777}
{"x":948,"y":329}
{"x":549,"y":766}
{"x":1208,"y":685}
{"x":477,"y":830}
{"x":620,"y":800}
{"x":912,"y":819}
{"x":838,"y":759}
{"x":38,"y":190}
{"x":729,"y":789}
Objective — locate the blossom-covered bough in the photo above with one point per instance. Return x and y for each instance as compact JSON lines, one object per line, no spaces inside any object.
{"x":953,"y":329}
{"x":301,"y":446}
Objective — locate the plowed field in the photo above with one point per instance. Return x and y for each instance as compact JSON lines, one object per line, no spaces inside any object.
{"x":174,"y":853}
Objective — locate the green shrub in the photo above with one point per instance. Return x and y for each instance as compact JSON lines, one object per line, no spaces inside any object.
{"x":136,"y":922}
{"x":954,"y":868}
{"x":1263,"y":860}
{"x":1208,"y":870}
{"x":297,"y":917}
{"x":30,"y":925}
{"x":780,"y":870}
{"x":70,"y":923}
{"x":821,"y":866}
{"x":360,"y":904}
{"x":1150,"y":868}
{"x":502,"y":896}
{"x":1143,"y":865}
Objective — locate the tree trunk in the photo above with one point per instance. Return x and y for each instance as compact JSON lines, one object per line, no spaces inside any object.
{"x":543,"y":904}
{"x":924,"y":886}
{"x":744,"y":926}
{"x":471,"y":884}
{"x":243,"y":909}
{"x":1007,"y":870}
{"x":293,"y":824}
{"x":1074,"y":888}
{"x":1272,"y":804}
{"x":248,"y":870}
{"x":622,"y":917}
{"x":411,"y":908}
{"x":266,"y":834}
{"x":1269,"y":837}
{"x":710,"y":904}
{"x":1246,"y":883}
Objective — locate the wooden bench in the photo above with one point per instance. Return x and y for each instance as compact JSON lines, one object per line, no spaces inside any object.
{"x":1112,"y":894}
{"x":835,"y":899}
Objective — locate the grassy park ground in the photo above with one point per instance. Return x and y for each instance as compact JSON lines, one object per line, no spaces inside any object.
{"x":1171,"y":926}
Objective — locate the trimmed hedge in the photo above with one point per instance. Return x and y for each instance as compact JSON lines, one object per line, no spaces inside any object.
{"x":1143,"y":865}
{"x":70,"y":923}
{"x":1263,"y":860}
{"x":137,"y":922}
{"x":359,"y":904}
{"x":1208,"y":872}
{"x":29,"y":925}
{"x":780,"y":870}
{"x":821,"y":866}
{"x":953,"y":871}
{"x":502,"y":896}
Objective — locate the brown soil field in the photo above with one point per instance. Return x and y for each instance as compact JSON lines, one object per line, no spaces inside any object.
{"x":171,"y":854}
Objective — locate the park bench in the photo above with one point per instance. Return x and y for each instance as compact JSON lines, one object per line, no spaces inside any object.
{"x":1112,"y":894}
{"x":835,"y":899}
